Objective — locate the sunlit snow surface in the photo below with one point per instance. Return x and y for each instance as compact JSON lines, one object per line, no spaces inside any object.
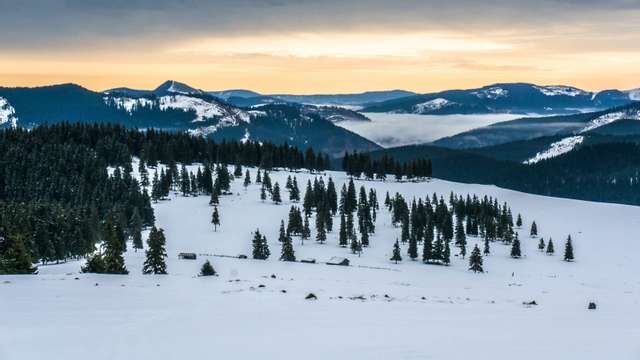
{"x":389,"y":130}
{"x":7,"y":113}
{"x":431,"y":312}
{"x":630,"y":114}
{"x":557,"y":148}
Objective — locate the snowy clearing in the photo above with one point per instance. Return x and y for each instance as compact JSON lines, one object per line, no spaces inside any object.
{"x":556,"y":149}
{"x":429,"y":312}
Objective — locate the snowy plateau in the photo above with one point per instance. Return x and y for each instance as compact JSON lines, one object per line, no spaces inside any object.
{"x":372,"y":309}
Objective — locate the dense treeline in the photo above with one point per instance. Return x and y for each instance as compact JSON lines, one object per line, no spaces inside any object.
{"x":56,"y":192}
{"x":359,"y":164}
{"x":601,"y":172}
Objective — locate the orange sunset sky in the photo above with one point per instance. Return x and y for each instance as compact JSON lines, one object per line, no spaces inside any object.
{"x":282,"y":46}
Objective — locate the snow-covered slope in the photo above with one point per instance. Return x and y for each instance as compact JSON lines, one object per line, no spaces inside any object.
{"x":7,"y":114}
{"x":629,"y":114}
{"x":431,"y":105}
{"x":557,"y":90}
{"x":557,"y":148}
{"x":373,"y":309}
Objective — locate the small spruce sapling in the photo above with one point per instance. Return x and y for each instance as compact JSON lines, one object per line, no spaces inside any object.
{"x":396,"y":252}
{"x":207,"y":269}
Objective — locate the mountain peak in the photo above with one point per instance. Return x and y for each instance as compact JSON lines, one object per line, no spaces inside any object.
{"x":175,"y":87}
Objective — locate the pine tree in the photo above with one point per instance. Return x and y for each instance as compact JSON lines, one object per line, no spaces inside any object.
{"x":237,"y":171}
{"x":534,"y":229}
{"x":550,"y":249}
{"x":487,"y":249}
{"x":263,"y":193}
{"x":396,"y":252}
{"x":247,"y":179}
{"x":275,"y":194}
{"x":114,"y":247}
{"x":215,"y":218}
{"x":515,"y":248}
{"x":519,"y":221}
{"x":185,"y":182}
{"x":135,"y":223}
{"x":287,"y":253}
{"x":541,"y":244}
{"x":207,"y":269}
{"x":321,"y":232}
{"x":258,"y":177}
{"x":446,"y":253}
{"x":260,"y":246}
{"x":95,"y":264}
{"x":413,"y":248}
{"x":568,"y":250}
{"x":475,"y":260}
{"x":306,"y":231}
{"x":294,"y":191}
{"x":356,"y":247}
{"x":342,"y":237}
{"x":16,"y":259}
{"x":461,"y":238}
{"x":215,"y":200}
{"x":283,"y":235}
{"x":155,"y":264}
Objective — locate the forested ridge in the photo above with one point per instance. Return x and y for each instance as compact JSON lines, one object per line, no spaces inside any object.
{"x":58,"y":199}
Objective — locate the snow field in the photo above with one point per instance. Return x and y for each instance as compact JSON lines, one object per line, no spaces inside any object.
{"x":431,"y":312}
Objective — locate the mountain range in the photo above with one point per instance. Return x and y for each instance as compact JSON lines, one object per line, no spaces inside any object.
{"x":519,"y":98}
{"x":177,"y":106}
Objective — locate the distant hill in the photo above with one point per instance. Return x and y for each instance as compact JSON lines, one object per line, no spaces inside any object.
{"x":519,"y":98}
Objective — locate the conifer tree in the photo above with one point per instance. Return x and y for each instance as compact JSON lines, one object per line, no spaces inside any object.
{"x":321,"y":232}
{"x":446,"y":253}
{"x":135,"y":223}
{"x":534,"y":229}
{"x":550,"y":249}
{"x":155,"y":263}
{"x":266,"y":181}
{"x":263,"y":193}
{"x":438,"y":249}
{"x":306,"y":231}
{"x":541,"y":245}
{"x":413,"y":248}
{"x":207,"y":269}
{"x":396,"y":252}
{"x":258,"y":177}
{"x":113,"y":242}
{"x":515,"y":248}
{"x":342,"y":237}
{"x":519,"y":221}
{"x":275,"y":194}
{"x":364,"y":237}
{"x":487,"y":249}
{"x":282,"y":235}
{"x":461,"y":238}
{"x":16,"y":259}
{"x":215,"y":218}
{"x":215,"y":200}
{"x":308,"y":202}
{"x":95,"y":264}
{"x":568,"y":250}
{"x":260,"y":246}
{"x":287,"y":253}
{"x":237,"y":171}
{"x":475,"y":260}
{"x":185,"y":182}
{"x":356,"y":247}
{"x":294,"y":191}
{"x":247,"y":179}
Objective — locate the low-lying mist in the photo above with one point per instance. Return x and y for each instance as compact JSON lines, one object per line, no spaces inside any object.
{"x":390,"y":130}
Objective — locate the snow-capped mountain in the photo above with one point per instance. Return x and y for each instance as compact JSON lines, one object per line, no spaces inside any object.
{"x":178,"y":107}
{"x":506,"y":98}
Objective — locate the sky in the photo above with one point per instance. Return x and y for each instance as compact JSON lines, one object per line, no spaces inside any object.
{"x":312,"y":46}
